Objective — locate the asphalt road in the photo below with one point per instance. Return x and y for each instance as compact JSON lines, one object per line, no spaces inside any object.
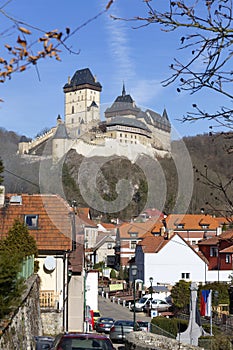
{"x":118,"y":312}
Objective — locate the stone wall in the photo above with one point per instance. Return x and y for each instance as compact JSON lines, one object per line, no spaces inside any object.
{"x":51,"y":322}
{"x":17,"y":331}
{"x":143,"y":341}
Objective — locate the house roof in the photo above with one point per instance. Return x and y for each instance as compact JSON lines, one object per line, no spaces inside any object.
{"x":209,"y":241}
{"x":191,"y":221}
{"x":140,"y":228}
{"x":152,"y":244}
{"x":54,"y":231}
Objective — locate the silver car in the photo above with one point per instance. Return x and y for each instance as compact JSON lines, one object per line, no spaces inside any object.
{"x":120,"y":328}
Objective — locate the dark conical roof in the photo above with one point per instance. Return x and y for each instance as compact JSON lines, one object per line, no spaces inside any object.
{"x":61,"y":132}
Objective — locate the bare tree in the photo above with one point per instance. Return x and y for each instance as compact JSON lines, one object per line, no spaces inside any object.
{"x":209,"y":37}
{"x":31,"y":44}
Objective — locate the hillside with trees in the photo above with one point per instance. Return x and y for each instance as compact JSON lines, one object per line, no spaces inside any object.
{"x":209,"y":155}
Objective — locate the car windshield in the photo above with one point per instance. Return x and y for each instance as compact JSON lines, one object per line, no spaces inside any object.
{"x":84,"y":343}
{"x":142,"y":300}
{"x":124,"y":323}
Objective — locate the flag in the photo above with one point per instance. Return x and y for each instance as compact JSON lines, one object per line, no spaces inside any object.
{"x":206,"y":302}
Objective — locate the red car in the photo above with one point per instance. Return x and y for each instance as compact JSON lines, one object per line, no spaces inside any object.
{"x":87,"y":341}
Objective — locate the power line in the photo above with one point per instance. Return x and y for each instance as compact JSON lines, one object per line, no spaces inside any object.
{"x":21,"y":178}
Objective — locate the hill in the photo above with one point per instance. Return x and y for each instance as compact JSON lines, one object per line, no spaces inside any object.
{"x":115,"y":187}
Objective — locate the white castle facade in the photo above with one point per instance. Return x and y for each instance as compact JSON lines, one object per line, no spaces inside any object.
{"x":127,"y":130}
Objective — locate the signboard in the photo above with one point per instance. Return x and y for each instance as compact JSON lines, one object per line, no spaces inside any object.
{"x":154,"y":313}
{"x":116,"y":286}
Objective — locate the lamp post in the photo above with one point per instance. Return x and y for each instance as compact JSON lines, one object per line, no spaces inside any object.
{"x":151,"y":291}
{"x":134,"y":271}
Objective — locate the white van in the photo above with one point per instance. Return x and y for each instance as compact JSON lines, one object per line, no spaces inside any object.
{"x":157,"y":302}
{"x":142,"y":303}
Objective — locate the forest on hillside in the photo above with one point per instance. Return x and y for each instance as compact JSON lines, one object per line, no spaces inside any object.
{"x":209,"y":155}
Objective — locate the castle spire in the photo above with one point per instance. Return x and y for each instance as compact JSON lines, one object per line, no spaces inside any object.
{"x":123,"y":90}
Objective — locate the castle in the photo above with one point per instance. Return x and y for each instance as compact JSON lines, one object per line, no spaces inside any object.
{"x":127,"y":130}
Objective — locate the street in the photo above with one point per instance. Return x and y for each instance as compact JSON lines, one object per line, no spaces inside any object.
{"x":118,"y":312}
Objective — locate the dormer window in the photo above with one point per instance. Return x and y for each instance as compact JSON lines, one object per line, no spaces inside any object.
{"x":133,"y":234}
{"x":180,"y":226}
{"x":31,"y":221}
{"x":205,"y":226}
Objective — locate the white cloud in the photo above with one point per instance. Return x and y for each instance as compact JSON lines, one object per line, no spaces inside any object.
{"x":146,"y":92}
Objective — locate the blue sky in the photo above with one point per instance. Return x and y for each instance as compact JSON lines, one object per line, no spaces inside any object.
{"x":114,"y":52}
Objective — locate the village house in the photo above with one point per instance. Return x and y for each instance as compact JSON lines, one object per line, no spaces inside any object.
{"x":168,"y":259}
{"x":52,"y":222}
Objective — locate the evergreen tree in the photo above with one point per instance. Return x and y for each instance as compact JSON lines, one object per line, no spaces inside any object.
{"x":180,"y":295}
{"x":19,"y":241}
{"x":13,"y":249}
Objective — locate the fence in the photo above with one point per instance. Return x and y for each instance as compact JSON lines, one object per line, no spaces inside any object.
{"x":27,"y":268}
{"x":49,"y":299}
{"x":157,"y":330}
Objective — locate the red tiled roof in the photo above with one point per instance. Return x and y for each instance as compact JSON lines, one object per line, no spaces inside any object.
{"x":152,"y":244}
{"x":191,"y":221}
{"x":136,"y":227}
{"x":54,"y":230}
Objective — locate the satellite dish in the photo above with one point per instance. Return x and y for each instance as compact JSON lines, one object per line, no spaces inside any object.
{"x":50,"y":263}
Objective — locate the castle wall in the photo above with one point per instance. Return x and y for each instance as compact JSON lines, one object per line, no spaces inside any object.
{"x":113,"y":147}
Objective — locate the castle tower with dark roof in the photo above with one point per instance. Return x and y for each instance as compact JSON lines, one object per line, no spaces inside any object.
{"x":82,"y":102}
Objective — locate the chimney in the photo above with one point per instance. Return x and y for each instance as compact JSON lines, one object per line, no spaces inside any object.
{"x":2,"y":196}
{"x":69,"y":80}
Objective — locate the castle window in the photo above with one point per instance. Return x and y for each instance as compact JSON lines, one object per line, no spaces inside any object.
{"x":72,"y":110}
{"x":228,"y":259}
{"x":120,"y":135}
{"x":125,"y":135}
{"x":82,"y":97}
{"x":135,"y":136}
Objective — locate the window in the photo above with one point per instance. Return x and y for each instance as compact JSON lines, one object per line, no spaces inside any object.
{"x":213,"y":251}
{"x":228,"y":259}
{"x":185,"y":275}
{"x":72,"y":110}
{"x":133,"y":244}
{"x":31,"y":221}
{"x":179,"y":225}
{"x":109,"y":245}
{"x":133,"y":234}
{"x":205,"y":226}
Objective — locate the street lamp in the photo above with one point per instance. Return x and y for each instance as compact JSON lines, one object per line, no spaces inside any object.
{"x":151,"y":291}
{"x":134,"y":271}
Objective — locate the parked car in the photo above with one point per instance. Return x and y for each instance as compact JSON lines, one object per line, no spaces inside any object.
{"x":120,"y":328}
{"x":144,"y":326}
{"x":104,"y":324}
{"x":87,"y":341}
{"x":141,"y":304}
{"x":43,"y":343}
{"x":160,"y":305}
{"x":96,"y":315}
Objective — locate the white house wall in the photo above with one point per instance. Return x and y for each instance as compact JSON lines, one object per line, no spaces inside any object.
{"x":51,"y":281}
{"x":92,"y":290}
{"x":169,"y":263}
